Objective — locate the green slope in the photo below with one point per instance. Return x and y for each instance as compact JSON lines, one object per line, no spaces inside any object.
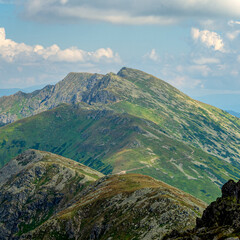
{"x":112,"y":142}
{"x":142,"y":95}
{"x":188,"y":120}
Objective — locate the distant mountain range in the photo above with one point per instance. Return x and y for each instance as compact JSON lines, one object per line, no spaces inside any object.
{"x":126,"y":122}
{"x":223,"y":101}
{"x":11,"y":91}
{"x":236,"y":114}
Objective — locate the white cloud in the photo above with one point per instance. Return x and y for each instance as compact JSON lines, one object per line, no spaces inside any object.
{"x":204,"y":70}
{"x":63,"y":1}
{"x":233,"y":35}
{"x":232,"y":23}
{"x":182,"y":81}
{"x":131,"y":11}
{"x":210,"y":39}
{"x":152,"y":55}
{"x":12,"y":51}
{"x":205,"y":60}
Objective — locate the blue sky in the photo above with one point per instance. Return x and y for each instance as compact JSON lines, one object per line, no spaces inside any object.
{"x":192,"y":44}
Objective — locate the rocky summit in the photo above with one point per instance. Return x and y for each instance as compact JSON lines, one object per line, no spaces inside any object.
{"x":45,"y":196}
{"x":220,"y":220}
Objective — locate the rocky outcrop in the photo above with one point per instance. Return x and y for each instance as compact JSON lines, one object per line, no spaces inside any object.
{"x":75,"y":88}
{"x":34,"y":186}
{"x":220,"y":220}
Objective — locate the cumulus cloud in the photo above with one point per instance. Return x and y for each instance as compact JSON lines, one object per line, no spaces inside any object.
{"x":210,"y":39}
{"x":204,"y":70}
{"x":233,"y":35}
{"x":130,"y":11}
{"x":232,"y":23}
{"x":12,"y":51}
{"x":152,"y":55}
{"x":206,"y":60}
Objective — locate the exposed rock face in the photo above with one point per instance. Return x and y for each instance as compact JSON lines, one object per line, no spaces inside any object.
{"x":220,"y":220}
{"x":34,"y":186}
{"x":122,"y":207}
{"x":75,"y":88}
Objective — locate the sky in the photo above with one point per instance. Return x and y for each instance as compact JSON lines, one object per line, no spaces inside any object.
{"x":192,"y":44}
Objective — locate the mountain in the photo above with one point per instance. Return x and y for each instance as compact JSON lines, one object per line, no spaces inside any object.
{"x":123,"y":207}
{"x":46,"y":196}
{"x":113,"y":142}
{"x":220,"y":220}
{"x":72,"y":89}
{"x":130,"y":121}
{"x":141,"y":95}
{"x":34,"y":186}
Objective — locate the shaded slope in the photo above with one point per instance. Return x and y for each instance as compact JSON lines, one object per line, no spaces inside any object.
{"x":123,"y":207}
{"x":220,"y":220}
{"x":112,"y":143}
{"x":34,"y":186}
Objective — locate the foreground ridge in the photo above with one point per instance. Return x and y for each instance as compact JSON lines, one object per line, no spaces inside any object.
{"x":45,"y":196}
{"x":35,"y":185}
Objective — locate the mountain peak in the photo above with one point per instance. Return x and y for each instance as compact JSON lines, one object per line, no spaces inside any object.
{"x":125,"y":71}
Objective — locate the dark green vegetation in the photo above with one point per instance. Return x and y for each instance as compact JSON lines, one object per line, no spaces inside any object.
{"x":220,"y":220}
{"x":130,"y":122}
{"x":46,"y":196}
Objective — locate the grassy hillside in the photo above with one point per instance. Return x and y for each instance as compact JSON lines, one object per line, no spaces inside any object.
{"x":112,"y":143}
{"x":183,"y":118}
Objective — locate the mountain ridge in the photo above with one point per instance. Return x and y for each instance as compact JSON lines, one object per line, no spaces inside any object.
{"x":78,"y":202}
{"x":144,"y":96}
{"x":132,"y":121}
